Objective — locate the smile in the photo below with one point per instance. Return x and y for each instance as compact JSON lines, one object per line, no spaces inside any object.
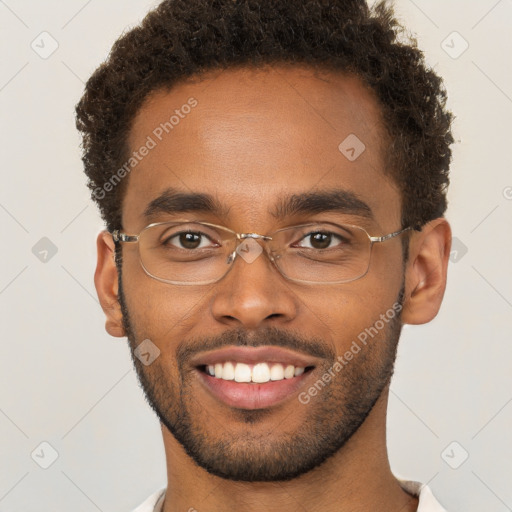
{"x":253,"y":377}
{"x":258,"y":373}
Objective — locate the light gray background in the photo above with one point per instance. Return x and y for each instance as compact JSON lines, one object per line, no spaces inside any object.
{"x":66,"y":382}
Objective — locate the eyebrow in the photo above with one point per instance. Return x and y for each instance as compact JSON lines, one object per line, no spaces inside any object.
{"x":341,"y":201}
{"x":174,"y":201}
{"x":338,"y":200}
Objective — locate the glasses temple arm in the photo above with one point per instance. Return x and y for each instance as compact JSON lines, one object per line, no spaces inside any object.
{"x":123,"y":237}
{"x":392,"y":235}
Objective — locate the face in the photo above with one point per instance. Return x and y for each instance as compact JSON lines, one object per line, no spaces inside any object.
{"x":253,"y":140}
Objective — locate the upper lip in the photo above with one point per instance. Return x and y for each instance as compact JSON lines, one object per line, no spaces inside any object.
{"x":252,"y":355}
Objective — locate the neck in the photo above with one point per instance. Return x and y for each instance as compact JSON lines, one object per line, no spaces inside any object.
{"x":356,"y":479}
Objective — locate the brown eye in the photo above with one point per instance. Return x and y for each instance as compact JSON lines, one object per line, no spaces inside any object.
{"x":188,"y":240}
{"x":320,"y":240}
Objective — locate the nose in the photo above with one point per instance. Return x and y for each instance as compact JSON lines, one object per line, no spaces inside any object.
{"x":253,"y":294}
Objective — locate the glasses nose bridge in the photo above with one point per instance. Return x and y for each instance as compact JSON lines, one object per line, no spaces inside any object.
{"x":243,"y":236}
{"x":240,"y":237}
{"x":256,"y":236}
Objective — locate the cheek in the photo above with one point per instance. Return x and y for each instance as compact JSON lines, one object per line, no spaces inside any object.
{"x":159,"y":311}
{"x":386,"y":272}
{"x":338,"y":314}
{"x":379,"y":305}
{"x":344,"y":311}
{"x":163,"y":308}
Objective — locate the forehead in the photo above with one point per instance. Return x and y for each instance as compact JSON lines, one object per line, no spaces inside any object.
{"x":251,"y":136}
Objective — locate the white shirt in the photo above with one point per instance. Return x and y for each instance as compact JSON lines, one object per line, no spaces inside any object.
{"x":427,"y":502}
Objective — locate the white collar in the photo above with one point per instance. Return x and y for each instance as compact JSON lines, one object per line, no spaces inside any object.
{"x":427,"y":501}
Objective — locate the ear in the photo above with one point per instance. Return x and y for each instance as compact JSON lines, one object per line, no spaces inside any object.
{"x":105,"y":280}
{"x":426,"y":271}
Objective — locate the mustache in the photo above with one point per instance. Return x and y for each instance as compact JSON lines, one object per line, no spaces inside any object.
{"x":312,"y":346}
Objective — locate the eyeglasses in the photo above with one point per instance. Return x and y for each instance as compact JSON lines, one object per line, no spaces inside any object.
{"x":199,"y":253}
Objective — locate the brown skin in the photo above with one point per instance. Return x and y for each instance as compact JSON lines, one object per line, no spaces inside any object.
{"x":256,"y":136}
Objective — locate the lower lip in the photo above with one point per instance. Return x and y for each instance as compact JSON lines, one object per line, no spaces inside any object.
{"x":250,"y":395}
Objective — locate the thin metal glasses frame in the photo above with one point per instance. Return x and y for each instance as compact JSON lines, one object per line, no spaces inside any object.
{"x":119,"y":236}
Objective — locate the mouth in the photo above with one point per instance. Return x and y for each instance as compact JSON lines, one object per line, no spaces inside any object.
{"x":253,"y":378}
{"x":258,"y":373}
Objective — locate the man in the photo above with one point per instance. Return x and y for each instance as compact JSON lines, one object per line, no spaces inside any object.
{"x":272,"y":175}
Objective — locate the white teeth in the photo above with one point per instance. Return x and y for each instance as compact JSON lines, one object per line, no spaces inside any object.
{"x":258,"y":373}
{"x":261,"y":372}
{"x":228,"y":371}
{"x":242,"y":372}
{"x":288,"y":371}
{"x":277,"y":372}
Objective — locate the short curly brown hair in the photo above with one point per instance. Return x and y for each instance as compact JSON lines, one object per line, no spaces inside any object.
{"x":181,"y":38}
